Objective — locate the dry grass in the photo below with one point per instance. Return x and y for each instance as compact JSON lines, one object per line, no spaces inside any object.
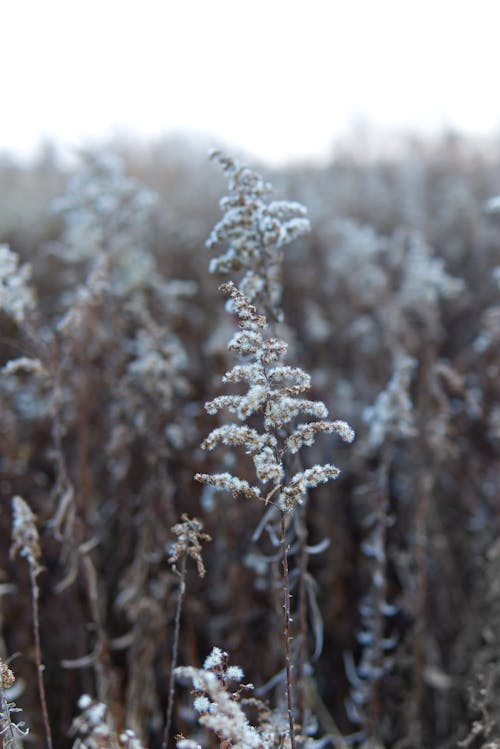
{"x":113,"y":340}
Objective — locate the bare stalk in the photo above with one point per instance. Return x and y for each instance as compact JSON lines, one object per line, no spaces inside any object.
{"x":286,"y":607}
{"x":38,"y":654}
{"x":301,"y":530}
{"x":25,"y":540}
{"x":189,"y":537}
{"x":175,"y":651}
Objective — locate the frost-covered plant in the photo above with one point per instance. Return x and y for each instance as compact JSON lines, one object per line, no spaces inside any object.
{"x":9,"y":727}
{"x":252,"y":234}
{"x":107,"y":228}
{"x":273,"y":404}
{"x":425,"y":280}
{"x":390,"y":420}
{"x":25,"y":540}
{"x":218,"y":704}
{"x":123,"y":316}
{"x":189,"y":537}
{"x":94,"y":729}
{"x":392,"y":415}
{"x":364,"y":286}
{"x":275,"y":395}
{"x":17,"y":299}
{"x":376,"y":657}
{"x":107,"y":213}
{"x":105,"y":392}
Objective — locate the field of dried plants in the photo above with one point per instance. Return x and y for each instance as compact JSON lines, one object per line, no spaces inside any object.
{"x":250,"y":443}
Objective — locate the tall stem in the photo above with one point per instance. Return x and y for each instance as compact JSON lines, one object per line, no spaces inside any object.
{"x":301,"y":530}
{"x":38,"y":654}
{"x":175,"y":651}
{"x":286,"y":607}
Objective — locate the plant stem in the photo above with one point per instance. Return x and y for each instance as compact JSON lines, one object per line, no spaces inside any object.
{"x":286,"y":607}
{"x":175,"y":651}
{"x":301,"y":531}
{"x":38,"y":654}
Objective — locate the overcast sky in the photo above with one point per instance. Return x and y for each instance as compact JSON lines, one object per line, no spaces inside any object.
{"x":280,"y":78}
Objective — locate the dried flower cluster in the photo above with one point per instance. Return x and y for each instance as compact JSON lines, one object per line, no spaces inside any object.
{"x":392,"y":416}
{"x":219,"y":709}
{"x":273,"y":393}
{"x":107,"y":213}
{"x":16,"y":295}
{"x":25,"y":539}
{"x":189,"y":538}
{"x":252,"y":234}
{"x":9,"y":728}
{"x":93,"y":728}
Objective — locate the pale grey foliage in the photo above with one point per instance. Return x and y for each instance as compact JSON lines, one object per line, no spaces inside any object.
{"x":94,"y":728}
{"x":391,"y":416}
{"x":25,"y":538}
{"x":23,"y":364}
{"x":10,"y":728}
{"x":17,"y":298}
{"x":108,"y":213}
{"x":274,"y":391}
{"x":218,"y":708}
{"x":425,"y":280}
{"x":253,"y":232}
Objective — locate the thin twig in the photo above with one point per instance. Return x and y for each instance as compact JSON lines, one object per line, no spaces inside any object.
{"x":301,"y":530}
{"x":38,"y":653}
{"x":286,"y":606}
{"x":175,"y":651}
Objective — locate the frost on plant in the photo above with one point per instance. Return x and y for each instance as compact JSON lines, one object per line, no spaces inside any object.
{"x":425,"y":280}
{"x":189,"y":537}
{"x":94,"y":728}
{"x":17,"y":299}
{"x":392,"y":416}
{"x":218,"y":705}
{"x":107,"y":213}
{"x":9,"y":727}
{"x":252,"y":234}
{"x":25,"y":533}
{"x":275,"y":395}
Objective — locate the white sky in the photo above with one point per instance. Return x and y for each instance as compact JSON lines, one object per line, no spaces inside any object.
{"x":280,"y":78}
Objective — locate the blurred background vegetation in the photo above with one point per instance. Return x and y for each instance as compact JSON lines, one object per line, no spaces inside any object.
{"x":403,"y":260}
